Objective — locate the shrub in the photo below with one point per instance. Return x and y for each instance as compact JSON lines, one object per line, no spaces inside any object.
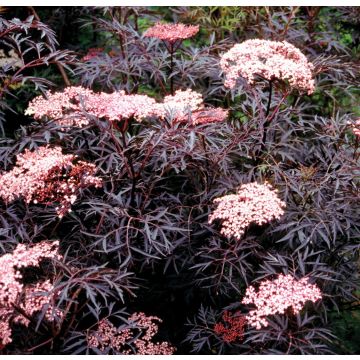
{"x":202,"y":197}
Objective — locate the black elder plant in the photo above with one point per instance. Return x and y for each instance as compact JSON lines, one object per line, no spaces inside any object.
{"x":219,"y":209}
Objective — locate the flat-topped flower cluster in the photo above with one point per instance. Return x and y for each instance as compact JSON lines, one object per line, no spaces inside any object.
{"x":270,"y":60}
{"x":172,"y":32}
{"x":47,"y":176}
{"x":27,"y":297}
{"x":73,"y":106}
{"x":232,"y":327}
{"x":252,"y":203}
{"x":275,"y":297}
{"x":108,"y":336}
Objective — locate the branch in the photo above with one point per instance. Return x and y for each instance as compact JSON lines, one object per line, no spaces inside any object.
{"x":60,"y":67}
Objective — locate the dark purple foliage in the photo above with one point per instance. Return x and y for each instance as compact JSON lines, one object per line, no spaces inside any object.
{"x":143,"y":241}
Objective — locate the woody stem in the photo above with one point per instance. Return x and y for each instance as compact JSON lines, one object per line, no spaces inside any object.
{"x":171,"y":68}
{"x":269,"y":99}
{"x":266,"y":124}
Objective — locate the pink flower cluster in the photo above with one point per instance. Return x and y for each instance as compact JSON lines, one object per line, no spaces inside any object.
{"x":275,"y":297}
{"x":187,"y":106}
{"x":14,"y":292}
{"x":67,"y":107}
{"x":47,"y":176}
{"x":119,"y":106}
{"x":232,"y":328}
{"x":209,"y":115}
{"x":92,"y":53}
{"x":108,"y":336}
{"x":181,"y":104}
{"x":252,"y":203}
{"x":270,"y":60}
{"x":356,"y":128}
{"x":172,"y":32}
{"x":34,"y":300}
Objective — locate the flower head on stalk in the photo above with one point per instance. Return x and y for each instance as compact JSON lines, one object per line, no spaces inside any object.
{"x":209,"y":115}
{"x":172,"y":35}
{"x":47,"y":176}
{"x":271,"y":60}
{"x":232,"y":327}
{"x":140,"y":336}
{"x":275,"y":297}
{"x":172,"y":32}
{"x":31,"y":298}
{"x":67,"y":107}
{"x":181,"y":104}
{"x":252,"y":203}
